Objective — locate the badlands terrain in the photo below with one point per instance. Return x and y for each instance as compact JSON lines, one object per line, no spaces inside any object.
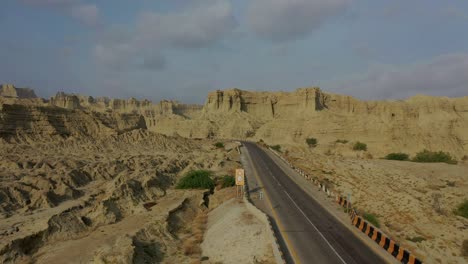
{"x":98,"y":174}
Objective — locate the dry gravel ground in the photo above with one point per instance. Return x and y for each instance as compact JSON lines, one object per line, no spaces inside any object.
{"x":411,"y":200}
{"x":234,"y":235}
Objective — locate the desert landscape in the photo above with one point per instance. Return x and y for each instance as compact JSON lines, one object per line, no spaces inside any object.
{"x":79,"y":185}
{"x":93,"y":179}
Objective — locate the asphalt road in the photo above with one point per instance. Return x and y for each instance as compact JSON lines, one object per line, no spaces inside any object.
{"x":310,"y":233}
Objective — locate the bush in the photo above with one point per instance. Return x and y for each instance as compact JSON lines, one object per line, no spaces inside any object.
{"x":199,"y":179}
{"x":228,"y":181}
{"x":360,"y":146}
{"x":371,"y":218}
{"x":462,"y":209}
{"x":397,"y":156}
{"x":342,"y":141}
{"x":416,"y":239}
{"x":434,"y":156}
{"x":276,"y":147}
{"x":312,"y":142}
{"x":219,"y":145}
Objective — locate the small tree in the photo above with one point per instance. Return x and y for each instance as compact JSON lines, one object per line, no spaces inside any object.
{"x":397,"y":156}
{"x":312,"y":142}
{"x":360,"y":146}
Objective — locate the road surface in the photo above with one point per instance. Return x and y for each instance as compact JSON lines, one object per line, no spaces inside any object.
{"x":310,"y":232}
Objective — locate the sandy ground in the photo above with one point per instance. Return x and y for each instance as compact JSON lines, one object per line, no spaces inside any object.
{"x":234,"y":235}
{"x":411,"y":200}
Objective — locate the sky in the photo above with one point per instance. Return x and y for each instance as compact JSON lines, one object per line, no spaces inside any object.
{"x":182,"y":49}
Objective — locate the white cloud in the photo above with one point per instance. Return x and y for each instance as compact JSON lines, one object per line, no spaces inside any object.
{"x":442,"y":75}
{"x":86,"y":13}
{"x":281,"y":20}
{"x":192,"y":28}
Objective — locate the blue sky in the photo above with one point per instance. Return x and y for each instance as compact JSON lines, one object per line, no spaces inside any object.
{"x":181,"y":49}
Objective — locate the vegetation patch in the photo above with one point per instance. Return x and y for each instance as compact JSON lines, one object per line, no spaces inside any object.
{"x":197,"y":179}
{"x":228,"y":181}
{"x":276,"y":147}
{"x":397,"y":156}
{"x":434,"y":156}
{"x":462,"y":209}
{"x":219,"y":145}
{"x":360,"y":146}
{"x":312,"y":142}
{"x":371,"y":218}
{"x":416,"y":239}
{"x":342,"y":141}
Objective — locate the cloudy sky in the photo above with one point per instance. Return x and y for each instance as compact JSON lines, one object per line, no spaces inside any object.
{"x":181,"y":49}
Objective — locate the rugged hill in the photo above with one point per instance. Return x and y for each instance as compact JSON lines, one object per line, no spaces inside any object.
{"x":286,"y":118}
{"x":435,"y":123}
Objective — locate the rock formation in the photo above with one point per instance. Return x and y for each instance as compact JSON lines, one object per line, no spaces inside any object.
{"x":436,"y":123}
{"x":411,"y":125}
{"x":8,"y":90}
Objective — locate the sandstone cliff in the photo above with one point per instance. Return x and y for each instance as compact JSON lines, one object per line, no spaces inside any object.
{"x":288,"y":118}
{"x":8,"y":90}
{"x":420,"y":122}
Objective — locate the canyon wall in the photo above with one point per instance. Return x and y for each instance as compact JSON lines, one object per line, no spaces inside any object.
{"x":287,"y":118}
{"x":411,"y":125}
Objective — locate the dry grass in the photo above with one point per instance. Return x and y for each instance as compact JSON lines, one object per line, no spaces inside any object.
{"x":192,"y":245}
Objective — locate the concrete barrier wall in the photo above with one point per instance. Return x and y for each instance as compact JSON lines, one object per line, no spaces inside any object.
{"x":401,"y":254}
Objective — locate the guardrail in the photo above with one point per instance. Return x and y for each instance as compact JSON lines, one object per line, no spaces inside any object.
{"x":401,"y":254}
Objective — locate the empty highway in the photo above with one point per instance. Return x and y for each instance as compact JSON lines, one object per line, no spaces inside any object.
{"x":310,"y":232}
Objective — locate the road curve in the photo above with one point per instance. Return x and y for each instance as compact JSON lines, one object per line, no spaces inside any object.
{"x":310,"y":232}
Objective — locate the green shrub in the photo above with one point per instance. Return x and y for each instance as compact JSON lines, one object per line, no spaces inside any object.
{"x":198,"y":179}
{"x":312,"y":142}
{"x":219,"y":145}
{"x":434,"y":156}
{"x":342,"y":141}
{"x":228,"y":181}
{"x":276,"y":147}
{"x":462,"y":209}
{"x":371,"y":218}
{"x":360,"y":146}
{"x":397,"y":156}
{"x":416,"y":239}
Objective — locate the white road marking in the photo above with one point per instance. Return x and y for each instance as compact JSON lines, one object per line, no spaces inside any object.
{"x":320,"y":233}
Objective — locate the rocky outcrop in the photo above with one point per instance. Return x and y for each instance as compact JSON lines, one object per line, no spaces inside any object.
{"x":63,"y":100}
{"x":266,"y":105}
{"x":8,"y":90}
{"x":18,"y":120}
{"x":436,"y":123}
{"x":420,"y":122}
